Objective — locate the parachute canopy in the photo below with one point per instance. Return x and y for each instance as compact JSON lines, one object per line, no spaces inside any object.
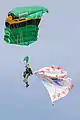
{"x":21,"y":25}
{"x":56,"y":81}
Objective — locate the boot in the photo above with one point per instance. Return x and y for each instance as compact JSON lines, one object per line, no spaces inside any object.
{"x":27,"y":84}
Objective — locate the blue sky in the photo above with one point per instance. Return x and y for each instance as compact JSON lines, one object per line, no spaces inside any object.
{"x":58,"y":44}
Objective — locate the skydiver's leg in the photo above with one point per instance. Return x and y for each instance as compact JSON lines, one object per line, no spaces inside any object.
{"x":26,"y":80}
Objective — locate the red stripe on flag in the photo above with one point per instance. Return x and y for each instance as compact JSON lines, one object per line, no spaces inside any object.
{"x":58,"y":94}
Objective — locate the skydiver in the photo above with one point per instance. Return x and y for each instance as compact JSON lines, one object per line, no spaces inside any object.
{"x":26,"y":74}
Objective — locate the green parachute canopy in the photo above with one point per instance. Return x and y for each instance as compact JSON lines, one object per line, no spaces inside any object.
{"x":21,"y":25}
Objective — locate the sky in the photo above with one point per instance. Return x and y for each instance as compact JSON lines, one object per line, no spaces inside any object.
{"x":58,"y":44}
